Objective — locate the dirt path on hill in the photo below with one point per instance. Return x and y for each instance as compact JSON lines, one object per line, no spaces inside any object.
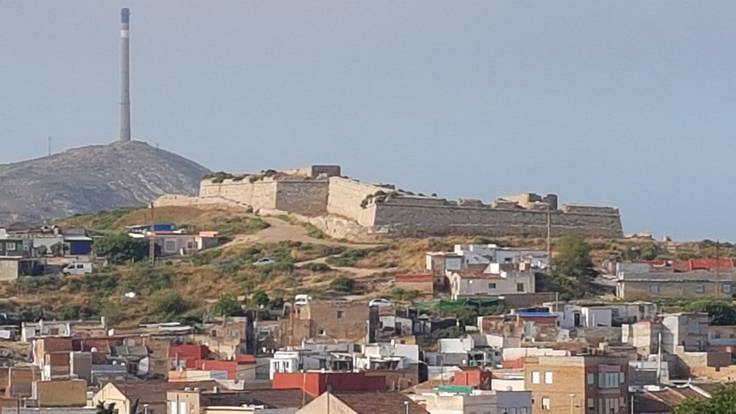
{"x":280,"y":230}
{"x":358,"y":272}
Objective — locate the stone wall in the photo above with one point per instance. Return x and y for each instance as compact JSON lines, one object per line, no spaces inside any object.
{"x":259,"y":194}
{"x":344,"y":208}
{"x":345,"y":200}
{"x":307,"y":197}
{"x":410,"y":217}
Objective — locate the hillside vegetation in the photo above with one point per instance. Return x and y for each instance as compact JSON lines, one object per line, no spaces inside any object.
{"x":300,"y":261}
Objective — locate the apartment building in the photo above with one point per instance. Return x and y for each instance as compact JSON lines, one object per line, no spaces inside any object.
{"x":584,"y":384}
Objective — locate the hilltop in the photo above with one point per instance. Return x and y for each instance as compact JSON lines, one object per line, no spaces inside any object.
{"x":92,"y":178}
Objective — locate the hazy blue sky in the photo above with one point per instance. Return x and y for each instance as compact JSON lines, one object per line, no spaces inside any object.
{"x":629,"y":103}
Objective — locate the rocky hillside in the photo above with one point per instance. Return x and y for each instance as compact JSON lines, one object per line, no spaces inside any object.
{"x":92,"y":178}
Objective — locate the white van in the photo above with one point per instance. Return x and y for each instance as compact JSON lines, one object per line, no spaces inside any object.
{"x":77,"y":268}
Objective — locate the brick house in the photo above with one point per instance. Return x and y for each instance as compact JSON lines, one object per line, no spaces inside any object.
{"x":577,"y":384}
{"x":334,"y":320}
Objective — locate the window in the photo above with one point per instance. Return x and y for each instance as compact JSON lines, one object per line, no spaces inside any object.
{"x":591,"y":404}
{"x":520,"y":287}
{"x":339,"y":314}
{"x":170,"y":246}
{"x":545,"y":403}
{"x":610,"y":379}
{"x":547,"y":377}
{"x":10,"y":247}
{"x":700,"y":288}
{"x":322,"y":332}
{"x":491,"y":286}
{"x":622,"y":377}
{"x":726,"y":287}
{"x":536,"y":377}
{"x":591,"y":378}
{"x":653,"y":288}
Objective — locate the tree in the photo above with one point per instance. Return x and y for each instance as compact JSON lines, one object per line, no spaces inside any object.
{"x":261,"y":298}
{"x":572,"y":258}
{"x":58,"y":249}
{"x":343,"y":284}
{"x":721,"y":312}
{"x":723,"y":401}
{"x":227,"y":305}
{"x":119,"y":248}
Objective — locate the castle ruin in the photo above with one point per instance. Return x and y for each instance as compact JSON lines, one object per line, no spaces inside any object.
{"x":347,"y":208}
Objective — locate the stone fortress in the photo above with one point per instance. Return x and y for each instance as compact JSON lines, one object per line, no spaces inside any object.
{"x":347,"y":208}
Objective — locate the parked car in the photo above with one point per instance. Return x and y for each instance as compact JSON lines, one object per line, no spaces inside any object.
{"x":302,"y":299}
{"x":380,"y":302}
{"x":265,"y":261}
{"x":77,"y":268}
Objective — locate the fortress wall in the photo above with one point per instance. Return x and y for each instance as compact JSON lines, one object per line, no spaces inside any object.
{"x":260,"y":194}
{"x":306,"y":197}
{"x":396,"y":218}
{"x":345,"y":198}
{"x":572,"y":208}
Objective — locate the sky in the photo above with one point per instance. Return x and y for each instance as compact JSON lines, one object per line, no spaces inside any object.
{"x":624,"y":103}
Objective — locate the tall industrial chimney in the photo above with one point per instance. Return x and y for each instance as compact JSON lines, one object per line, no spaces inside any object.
{"x":125,"y":75}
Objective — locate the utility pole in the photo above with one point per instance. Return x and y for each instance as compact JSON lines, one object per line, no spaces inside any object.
{"x":659,"y":358}
{"x":152,"y":238}
{"x":718,"y":259}
{"x":49,"y":146}
{"x":549,"y":232}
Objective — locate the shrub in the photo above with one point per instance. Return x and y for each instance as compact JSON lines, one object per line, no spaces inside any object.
{"x":572,"y":258}
{"x":100,"y":283}
{"x":75,"y":311}
{"x":721,"y":312}
{"x":228,"y":267}
{"x":227,"y":305}
{"x":168,"y":304}
{"x":260,"y":298}
{"x":230,"y":227}
{"x":343,"y":284}
{"x":314,"y":232}
{"x":119,"y":248}
{"x":403,"y":294}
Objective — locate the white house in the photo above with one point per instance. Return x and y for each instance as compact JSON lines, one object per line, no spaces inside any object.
{"x":496,"y":281}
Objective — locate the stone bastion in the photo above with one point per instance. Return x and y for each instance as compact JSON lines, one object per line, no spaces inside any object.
{"x":347,"y":208}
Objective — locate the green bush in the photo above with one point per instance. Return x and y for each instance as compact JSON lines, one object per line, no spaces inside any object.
{"x":721,"y":312}
{"x":232,"y":226}
{"x":227,"y":305}
{"x":168,"y":304}
{"x":260,"y":298}
{"x":343,"y":284}
{"x":119,"y":248}
{"x":74,"y":311}
{"x":350,"y":257}
{"x":314,"y":232}
{"x":100,"y":283}
{"x":403,"y":294}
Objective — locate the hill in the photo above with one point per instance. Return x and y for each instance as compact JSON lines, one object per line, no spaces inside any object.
{"x":92,"y":178}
